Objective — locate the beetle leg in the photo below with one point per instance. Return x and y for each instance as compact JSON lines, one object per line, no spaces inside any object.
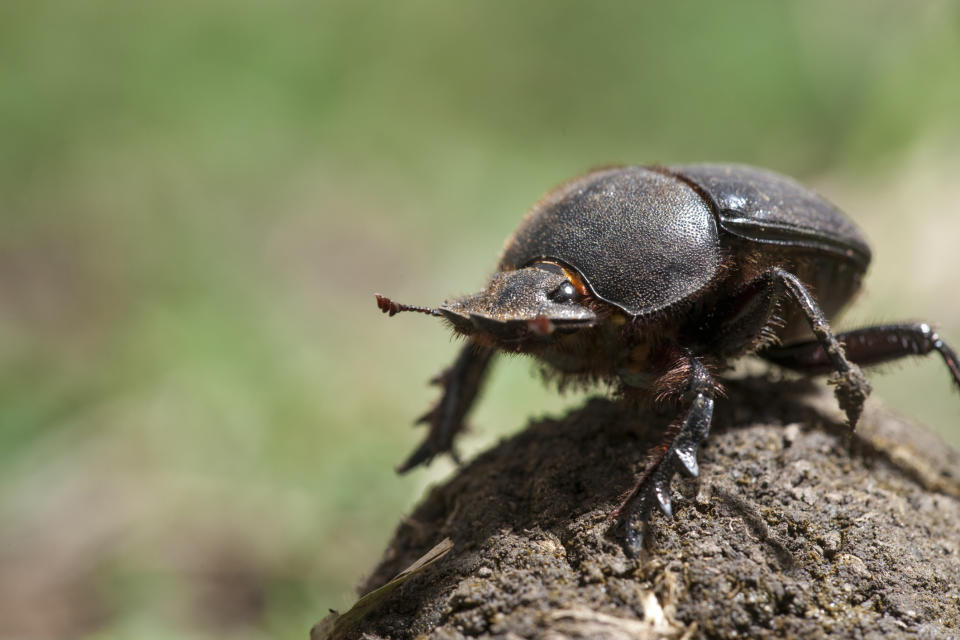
{"x":852,"y":388}
{"x":461,"y":383}
{"x":868,"y":346}
{"x":754,"y":306}
{"x":677,"y":452}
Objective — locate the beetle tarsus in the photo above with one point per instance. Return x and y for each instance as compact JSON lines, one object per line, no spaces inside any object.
{"x":852,"y":390}
{"x":632,"y":525}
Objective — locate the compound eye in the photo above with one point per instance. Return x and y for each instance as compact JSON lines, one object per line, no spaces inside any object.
{"x":564,"y":293}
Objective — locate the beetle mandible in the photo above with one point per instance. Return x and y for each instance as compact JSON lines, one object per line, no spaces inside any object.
{"x":654,"y":279}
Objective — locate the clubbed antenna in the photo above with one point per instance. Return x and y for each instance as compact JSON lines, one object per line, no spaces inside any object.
{"x":390,"y":307}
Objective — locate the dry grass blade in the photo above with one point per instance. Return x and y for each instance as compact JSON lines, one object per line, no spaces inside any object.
{"x":336,"y":625}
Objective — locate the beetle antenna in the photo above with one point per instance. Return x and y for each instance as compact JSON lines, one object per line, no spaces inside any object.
{"x":390,"y":307}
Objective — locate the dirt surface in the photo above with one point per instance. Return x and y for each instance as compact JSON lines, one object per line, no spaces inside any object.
{"x":793,"y":529}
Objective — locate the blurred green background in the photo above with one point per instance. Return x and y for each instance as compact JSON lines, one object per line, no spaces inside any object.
{"x":200,"y":406}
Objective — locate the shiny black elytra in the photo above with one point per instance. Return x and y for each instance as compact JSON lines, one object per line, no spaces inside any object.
{"x":653,"y":279}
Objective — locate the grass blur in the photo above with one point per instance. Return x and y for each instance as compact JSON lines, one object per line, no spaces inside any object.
{"x":200,"y":406}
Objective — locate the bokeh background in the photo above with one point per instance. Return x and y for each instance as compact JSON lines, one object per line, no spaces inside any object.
{"x":200,"y":406}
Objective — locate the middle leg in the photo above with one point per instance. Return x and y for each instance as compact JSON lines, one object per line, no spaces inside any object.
{"x":742,"y":323}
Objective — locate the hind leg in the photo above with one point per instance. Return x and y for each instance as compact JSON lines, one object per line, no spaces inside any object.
{"x":868,"y":346}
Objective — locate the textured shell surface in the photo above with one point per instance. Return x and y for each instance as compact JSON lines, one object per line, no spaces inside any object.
{"x":642,"y":239}
{"x":647,"y":238}
{"x":768,"y":207}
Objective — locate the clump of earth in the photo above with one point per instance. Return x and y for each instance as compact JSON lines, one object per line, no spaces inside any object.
{"x":794,"y":528}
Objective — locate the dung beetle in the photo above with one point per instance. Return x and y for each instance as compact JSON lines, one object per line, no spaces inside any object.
{"x":653,"y":279}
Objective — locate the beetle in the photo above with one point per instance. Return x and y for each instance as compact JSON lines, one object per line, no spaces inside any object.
{"x":654,"y":279}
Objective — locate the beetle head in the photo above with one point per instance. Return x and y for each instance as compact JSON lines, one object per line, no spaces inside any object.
{"x":524,"y":305}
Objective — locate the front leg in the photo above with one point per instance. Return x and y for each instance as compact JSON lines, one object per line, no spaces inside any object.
{"x":677,"y":452}
{"x":461,"y":383}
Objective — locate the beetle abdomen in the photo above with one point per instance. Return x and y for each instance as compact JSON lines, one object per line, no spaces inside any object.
{"x":766,"y":207}
{"x":812,"y":238}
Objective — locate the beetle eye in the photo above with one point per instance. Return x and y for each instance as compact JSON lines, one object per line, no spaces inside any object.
{"x":564,"y":293}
